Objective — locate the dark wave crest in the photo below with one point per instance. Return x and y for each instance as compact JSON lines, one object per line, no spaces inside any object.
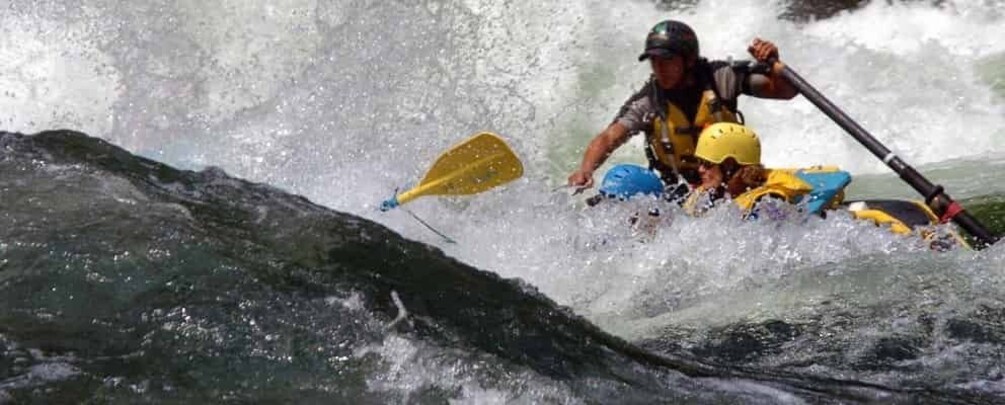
{"x":124,"y":279}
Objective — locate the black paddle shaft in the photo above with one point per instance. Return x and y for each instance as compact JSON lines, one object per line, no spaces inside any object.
{"x":935,"y":196}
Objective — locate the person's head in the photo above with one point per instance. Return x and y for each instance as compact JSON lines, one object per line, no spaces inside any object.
{"x":730,"y":157}
{"x":625,"y":181}
{"x":672,"y":50}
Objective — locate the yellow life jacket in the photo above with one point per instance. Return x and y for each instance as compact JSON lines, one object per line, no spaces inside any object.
{"x":781,"y":183}
{"x":673,"y":139}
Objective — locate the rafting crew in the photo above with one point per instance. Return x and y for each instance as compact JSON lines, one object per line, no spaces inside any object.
{"x":685,"y":94}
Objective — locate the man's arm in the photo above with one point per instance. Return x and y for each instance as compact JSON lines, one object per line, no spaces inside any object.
{"x":631,"y":119}
{"x":599,"y":149}
{"x":771,"y":85}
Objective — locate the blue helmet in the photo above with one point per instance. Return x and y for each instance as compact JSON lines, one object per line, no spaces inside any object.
{"x":625,"y":181}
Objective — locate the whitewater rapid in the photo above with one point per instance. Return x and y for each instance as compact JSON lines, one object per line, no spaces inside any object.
{"x":343,"y":102}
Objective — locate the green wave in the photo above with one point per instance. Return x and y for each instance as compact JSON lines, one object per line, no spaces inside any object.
{"x":990,"y":210}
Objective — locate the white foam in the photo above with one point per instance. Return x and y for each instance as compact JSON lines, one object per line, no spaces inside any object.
{"x":409,"y":367}
{"x":255,"y":49}
{"x":53,"y":76}
{"x":965,"y":29}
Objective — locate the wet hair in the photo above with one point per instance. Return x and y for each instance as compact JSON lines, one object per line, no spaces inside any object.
{"x":739,"y":179}
{"x":744,"y":178}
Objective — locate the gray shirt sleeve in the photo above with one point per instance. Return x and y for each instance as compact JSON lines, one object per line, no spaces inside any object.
{"x":728,"y":82}
{"x":732,"y":78}
{"x":637,"y":113}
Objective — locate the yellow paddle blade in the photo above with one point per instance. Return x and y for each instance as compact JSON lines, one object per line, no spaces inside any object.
{"x":477,"y":164}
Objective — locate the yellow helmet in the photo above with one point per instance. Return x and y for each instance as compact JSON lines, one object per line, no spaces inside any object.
{"x":729,"y":140}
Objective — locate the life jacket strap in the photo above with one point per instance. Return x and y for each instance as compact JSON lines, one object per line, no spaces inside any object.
{"x":691,"y":130}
